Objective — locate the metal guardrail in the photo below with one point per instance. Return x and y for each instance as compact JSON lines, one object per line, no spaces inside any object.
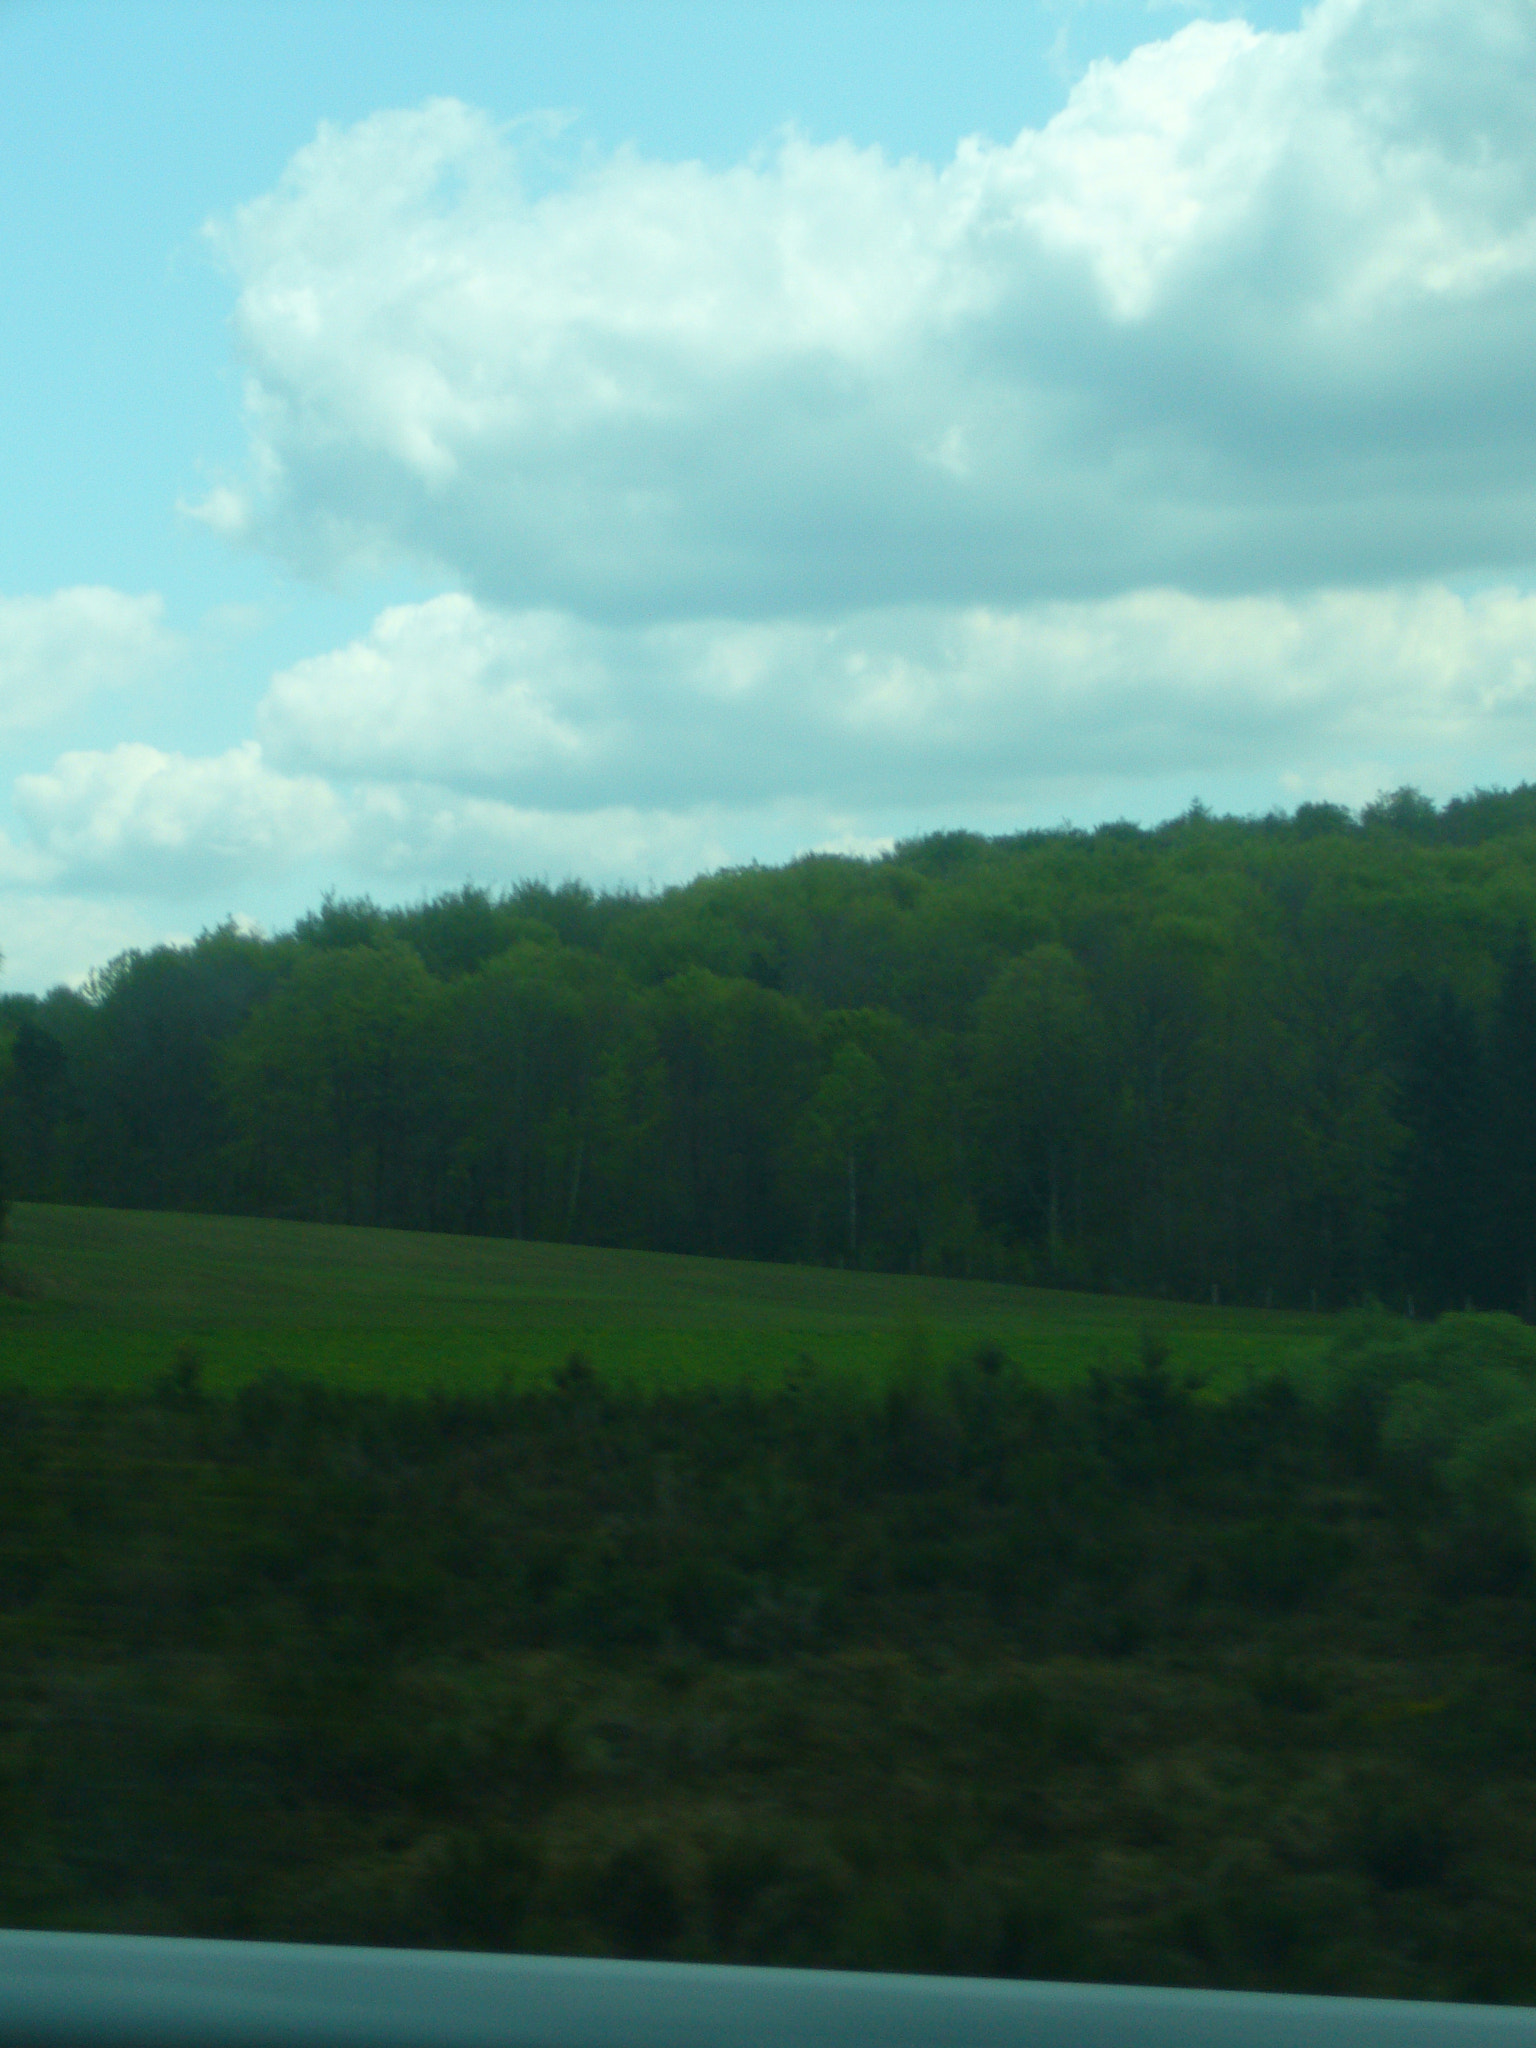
{"x":136,"y":1991}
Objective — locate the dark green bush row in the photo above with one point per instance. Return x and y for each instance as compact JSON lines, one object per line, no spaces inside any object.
{"x":1114,"y":1682}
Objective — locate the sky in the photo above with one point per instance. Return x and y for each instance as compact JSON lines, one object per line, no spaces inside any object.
{"x":461,"y":443}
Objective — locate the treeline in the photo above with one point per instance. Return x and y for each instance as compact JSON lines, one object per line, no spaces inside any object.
{"x":1288,"y":1060}
{"x":962,"y":1674}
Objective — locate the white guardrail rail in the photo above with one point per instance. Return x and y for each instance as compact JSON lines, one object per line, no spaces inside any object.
{"x":145,"y":1991}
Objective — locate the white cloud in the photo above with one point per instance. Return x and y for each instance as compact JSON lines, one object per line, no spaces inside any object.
{"x":446,"y":691}
{"x":1253,"y":312}
{"x":136,"y":818}
{"x":223,"y":510}
{"x":910,"y":705}
{"x":57,"y":651}
{"x":139,"y":822}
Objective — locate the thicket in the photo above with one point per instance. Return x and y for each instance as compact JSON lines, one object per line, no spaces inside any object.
{"x":1114,"y":1682}
{"x":1289,"y":1059}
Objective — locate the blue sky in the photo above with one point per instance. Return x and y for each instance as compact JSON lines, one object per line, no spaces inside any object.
{"x":452,"y":443}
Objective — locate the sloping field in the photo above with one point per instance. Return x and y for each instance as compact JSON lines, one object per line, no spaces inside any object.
{"x":105,"y":1297}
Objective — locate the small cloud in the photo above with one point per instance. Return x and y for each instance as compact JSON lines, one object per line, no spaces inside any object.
{"x":135,"y":818}
{"x":236,"y":621}
{"x":224,"y":511}
{"x":856,"y":845}
{"x":58,"y":651}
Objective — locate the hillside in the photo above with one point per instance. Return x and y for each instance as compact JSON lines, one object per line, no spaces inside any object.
{"x":107,"y":1295}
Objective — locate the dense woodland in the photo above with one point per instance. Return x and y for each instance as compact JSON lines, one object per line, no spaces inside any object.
{"x":1288,"y":1060}
{"x":965,"y":1675}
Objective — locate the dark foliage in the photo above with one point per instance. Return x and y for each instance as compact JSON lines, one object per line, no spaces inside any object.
{"x":1287,"y":1060}
{"x":1113,"y":1683}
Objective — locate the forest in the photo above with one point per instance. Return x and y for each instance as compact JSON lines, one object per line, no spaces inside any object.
{"x":1284,"y":1061}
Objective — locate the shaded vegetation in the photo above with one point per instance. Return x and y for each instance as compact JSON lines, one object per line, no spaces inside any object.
{"x":1112,"y":1680}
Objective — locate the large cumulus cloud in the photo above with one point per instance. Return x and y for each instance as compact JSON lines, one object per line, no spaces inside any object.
{"x":1252,"y":312}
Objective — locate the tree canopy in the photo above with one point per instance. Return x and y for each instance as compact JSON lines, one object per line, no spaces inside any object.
{"x":1282,"y":1059}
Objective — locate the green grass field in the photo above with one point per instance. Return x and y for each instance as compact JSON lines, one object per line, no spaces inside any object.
{"x":105,"y":1297}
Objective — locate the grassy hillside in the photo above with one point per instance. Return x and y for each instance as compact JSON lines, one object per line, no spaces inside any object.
{"x":106,"y":1296}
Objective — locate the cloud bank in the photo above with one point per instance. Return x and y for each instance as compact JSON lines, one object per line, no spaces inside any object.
{"x":888,"y":707}
{"x":454,"y":738}
{"x":1252,"y":312}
